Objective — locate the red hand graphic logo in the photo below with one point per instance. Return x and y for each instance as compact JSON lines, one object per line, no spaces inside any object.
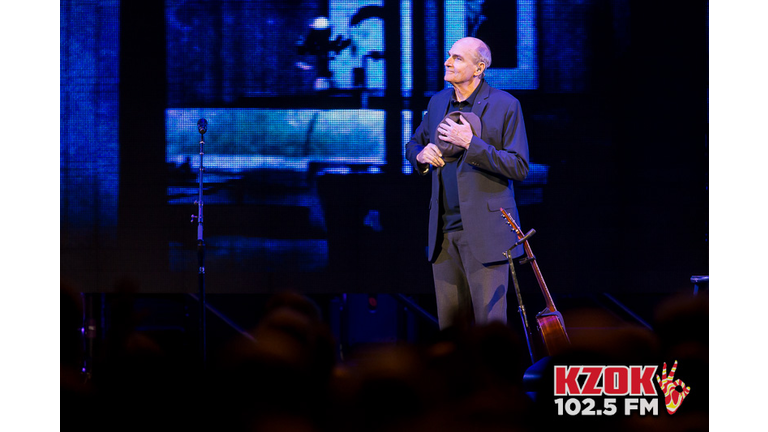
{"x":672,"y":397}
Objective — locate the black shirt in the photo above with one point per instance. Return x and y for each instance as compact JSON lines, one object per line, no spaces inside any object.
{"x":449,"y":197}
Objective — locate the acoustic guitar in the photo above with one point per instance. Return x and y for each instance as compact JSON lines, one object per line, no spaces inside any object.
{"x":550,"y":321}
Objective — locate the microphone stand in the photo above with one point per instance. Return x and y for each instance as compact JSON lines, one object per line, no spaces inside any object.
{"x":202,"y":127}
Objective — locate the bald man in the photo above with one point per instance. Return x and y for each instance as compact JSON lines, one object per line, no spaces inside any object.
{"x":467,"y":235}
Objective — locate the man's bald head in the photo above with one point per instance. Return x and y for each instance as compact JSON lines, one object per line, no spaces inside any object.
{"x":480,"y":50}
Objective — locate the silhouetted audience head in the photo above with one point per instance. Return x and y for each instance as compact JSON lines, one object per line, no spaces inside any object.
{"x":277,"y":379}
{"x":284,"y":374}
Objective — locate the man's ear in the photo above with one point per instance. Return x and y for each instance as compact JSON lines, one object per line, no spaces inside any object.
{"x":480,"y":69}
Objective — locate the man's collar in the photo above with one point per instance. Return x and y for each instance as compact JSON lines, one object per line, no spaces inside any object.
{"x":472,"y":97}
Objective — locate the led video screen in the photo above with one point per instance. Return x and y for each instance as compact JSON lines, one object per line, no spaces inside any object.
{"x":310,"y":104}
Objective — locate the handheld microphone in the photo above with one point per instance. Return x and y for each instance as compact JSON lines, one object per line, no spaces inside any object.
{"x":202,"y":126}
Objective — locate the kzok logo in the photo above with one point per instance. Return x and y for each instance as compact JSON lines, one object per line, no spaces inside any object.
{"x":673,"y":398}
{"x":577,"y":386}
{"x":616,"y":380}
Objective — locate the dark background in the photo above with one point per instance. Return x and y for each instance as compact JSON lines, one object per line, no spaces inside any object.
{"x":620,"y":117}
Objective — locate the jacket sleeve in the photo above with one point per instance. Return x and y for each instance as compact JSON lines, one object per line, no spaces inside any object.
{"x":418,"y":141}
{"x":509,"y":157}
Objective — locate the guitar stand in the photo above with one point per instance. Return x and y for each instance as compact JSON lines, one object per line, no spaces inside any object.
{"x":520,"y":305}
{"x":525,"y":238}
{"x":533,"y":378}
{"x":550,"y":321}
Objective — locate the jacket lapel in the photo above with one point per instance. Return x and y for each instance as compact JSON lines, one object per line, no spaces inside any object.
{"x":481,"y":100}
{"x":442,"y":110}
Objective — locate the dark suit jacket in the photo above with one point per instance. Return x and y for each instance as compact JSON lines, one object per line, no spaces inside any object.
{"x":484,"y":173}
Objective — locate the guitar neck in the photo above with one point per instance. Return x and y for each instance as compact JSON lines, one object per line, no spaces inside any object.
{"x":531,"y":259}
{"x":539,"y":278}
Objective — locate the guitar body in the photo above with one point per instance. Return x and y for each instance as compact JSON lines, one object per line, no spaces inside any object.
{"x":552,"y":332}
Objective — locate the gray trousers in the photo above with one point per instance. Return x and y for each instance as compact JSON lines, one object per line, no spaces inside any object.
{"x":466,"y":288}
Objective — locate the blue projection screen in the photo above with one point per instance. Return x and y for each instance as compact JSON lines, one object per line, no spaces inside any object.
{"x":509,"y":29}
{"x":309,"y":105}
